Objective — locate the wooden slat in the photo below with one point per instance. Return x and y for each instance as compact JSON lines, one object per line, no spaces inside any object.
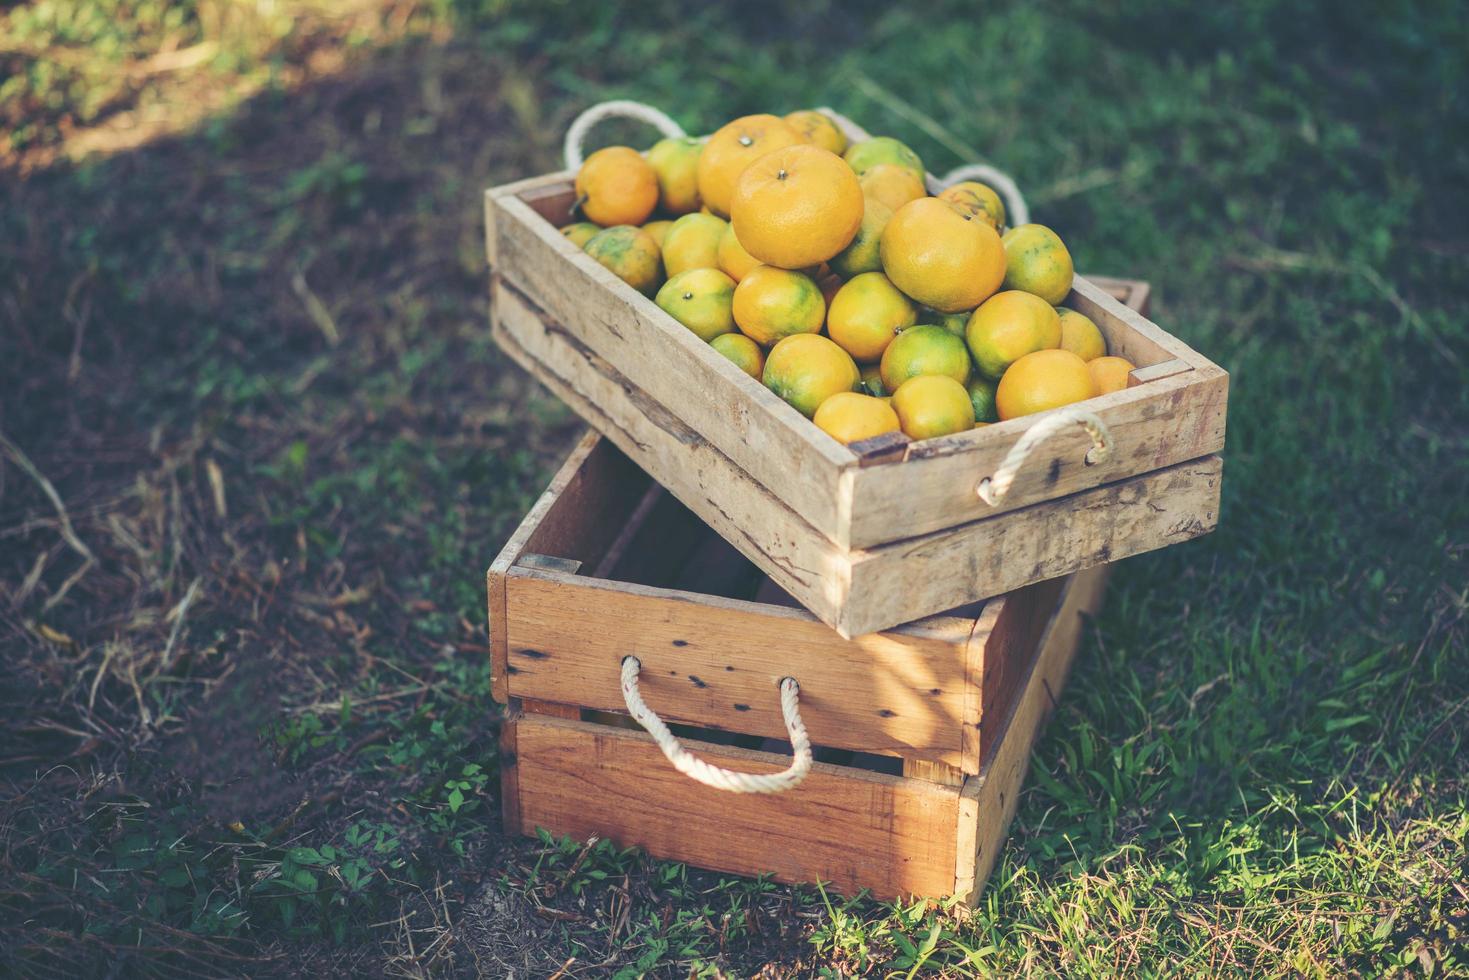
{"x":827,"y":485}
{"x":537,"y":189}
{"x":531,"y":706}
{"x":990,"y":799}
{"x":678,"y":371}
{"x":566,"y":566}
{"x":1045,"y":541}
{"x":801,"y":560}
{"x":509,"y":775}
{"x":806,"y":564}
{"x":574,"y":473}
{"x":1156,"y":372}
{"x":811,"y":473}
{"x":934,"y":772}
{"x":655,"y":543}
{"x":850,"y":828}
{"x":1171,"y":421}
{"x":1014,"y":626}
{"x":717,"y":663}
{"x":1129,"y":334}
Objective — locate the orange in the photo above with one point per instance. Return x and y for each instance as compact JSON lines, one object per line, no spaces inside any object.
{"x":807,"y":369}
{"x":631,"y":255}
{"x":819,"y":128}
{"x":676,"y":162}
{"x":1080,"y":335}
{"x":659,"y":230}
{"x":893,"y":185}
{"x":616,"y":186}
{"x":732,"y":257}
{"x":925,"y":349}
{"x":982,"y":397}
{"x":1042,"y":381}
{"x":700,"y":299}
{"x":1109,"y":374}
{"x":580,"y":233}
{"x":693,"y":243}
{"x":866,"y":314}
{"x":863,"y":254}
{"x":1009,"y":325}
{"x":850,"y":417}
{"x":933,"y":405}
{"x":979,"y":200}
{"x":796,"y":207}
{"x":735,"y":146}
{"x":1036,"y":260}
{"x":743,"y":351}
{"x":867,"y":154}
{"x":940,"y":258}
{"x":771,"y":303}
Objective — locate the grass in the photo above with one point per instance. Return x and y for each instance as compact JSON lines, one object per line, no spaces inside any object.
{"x":258,"y":450}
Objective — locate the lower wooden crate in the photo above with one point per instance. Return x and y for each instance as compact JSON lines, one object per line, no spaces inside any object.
{"x":852,"y":825}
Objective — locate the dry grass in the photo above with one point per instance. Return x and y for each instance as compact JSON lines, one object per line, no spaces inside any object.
{"x":257,"y":449}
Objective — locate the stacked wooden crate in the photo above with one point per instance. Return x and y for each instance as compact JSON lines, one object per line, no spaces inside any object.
{"x":714,"y":534}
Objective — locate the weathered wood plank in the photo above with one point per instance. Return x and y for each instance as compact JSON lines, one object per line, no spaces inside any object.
{"x":1128,"y":333}
{"x":681,"y":373}
{"x":934,"y":772}
{"x":989,"y":799}
{"x":717,"y":663}
{"x":1156,"y":372}
{"x":824,"y":483}
{"x":1173,"y":420}
{"x":811,"y":568}
{"x":1042,"y":542}
{"x":509,"y":775}
{"x":1014,"y":626}
{"x":801,"y":560}
{"x":848,"y":827}
{"x":566,"y":498}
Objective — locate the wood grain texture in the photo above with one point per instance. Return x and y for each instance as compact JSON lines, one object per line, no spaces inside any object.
{"x":990,"y":799}
{"x":670,"y":365}
{"x":853,"y":502}
{"x":1134,"y":294}
{"x":510,"y":775}
{"x":1172,"y":420}
{"x":800,"y":560}
{"x":1042,"y":542}
{"x":1128,"y":332}
{"x":806,"y":564}
{"x":717,"y":663}
{"x":577,"y":471}
{"x":851,"y":828}
{"x":1156,"y":372}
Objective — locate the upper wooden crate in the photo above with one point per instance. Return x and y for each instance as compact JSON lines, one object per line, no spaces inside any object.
{"x":864,"y":542}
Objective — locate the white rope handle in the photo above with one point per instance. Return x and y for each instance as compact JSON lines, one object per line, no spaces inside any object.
{"x":710,"y":775}
{"x":992,"y":489}
{"x":1016,"y":210}
{"x":618,"y":108}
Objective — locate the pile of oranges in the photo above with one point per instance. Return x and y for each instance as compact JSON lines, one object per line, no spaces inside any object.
{"x":826,"y":271}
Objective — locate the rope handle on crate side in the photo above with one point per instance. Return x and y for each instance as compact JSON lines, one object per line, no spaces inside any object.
{"x":571,"y":149}
{"x":713,"y":776}
{"x":1015,"y":207}
{"x":992,"y":489}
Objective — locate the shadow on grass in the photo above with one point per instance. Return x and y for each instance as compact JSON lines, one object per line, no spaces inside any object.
{"x":244,"y":696}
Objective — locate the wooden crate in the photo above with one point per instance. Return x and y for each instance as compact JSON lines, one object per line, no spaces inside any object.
{"x":924,"y":731}
{"x":865,"y":541}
